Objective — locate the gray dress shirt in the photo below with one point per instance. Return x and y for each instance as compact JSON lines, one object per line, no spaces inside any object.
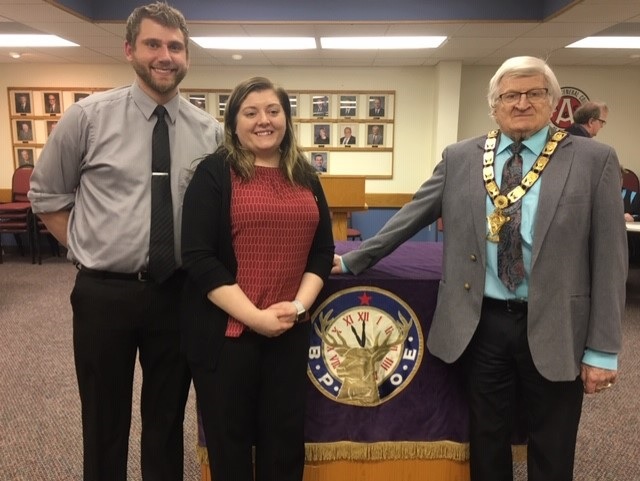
{"x":97,"y":163}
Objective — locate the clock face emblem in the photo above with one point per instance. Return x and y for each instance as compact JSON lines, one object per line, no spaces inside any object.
{"x":366,"y":346}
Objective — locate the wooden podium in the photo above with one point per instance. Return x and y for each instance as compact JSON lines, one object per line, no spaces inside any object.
{"x":345,"y":194}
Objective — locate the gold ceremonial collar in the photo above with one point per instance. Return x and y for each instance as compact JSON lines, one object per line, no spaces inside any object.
{"x":501,"y":201}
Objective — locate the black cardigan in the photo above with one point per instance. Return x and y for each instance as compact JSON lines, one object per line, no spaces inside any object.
{"x":209,"y":258}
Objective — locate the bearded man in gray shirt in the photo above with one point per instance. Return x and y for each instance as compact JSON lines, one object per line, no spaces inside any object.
{"x":93,"y":189}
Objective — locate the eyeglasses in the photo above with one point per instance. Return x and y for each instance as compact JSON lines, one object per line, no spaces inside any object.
{"x":533,"y":95}
{"x":603,"y":122}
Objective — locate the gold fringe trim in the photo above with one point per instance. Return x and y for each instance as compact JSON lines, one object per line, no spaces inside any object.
{"x":519,"y":452}
{"x":203,"y":455}
{"x":346,"y":450}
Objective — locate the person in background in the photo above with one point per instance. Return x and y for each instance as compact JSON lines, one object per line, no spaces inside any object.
{"x":588,"y":119}
{"x":530,"y":337}
{"x":631,"y":201}
{"x":92,"y":187}
{"x":257,"y":246}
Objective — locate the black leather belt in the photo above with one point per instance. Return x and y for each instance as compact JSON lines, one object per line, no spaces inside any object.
{"x":510,"y":305}
{"x":142,"y":276}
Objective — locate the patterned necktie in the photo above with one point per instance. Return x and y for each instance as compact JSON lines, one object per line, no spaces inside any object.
{"x":510,"y":264}
{"x":162,"y":261}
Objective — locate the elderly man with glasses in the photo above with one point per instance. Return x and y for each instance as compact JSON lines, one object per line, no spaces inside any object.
{"x":533,"y":284}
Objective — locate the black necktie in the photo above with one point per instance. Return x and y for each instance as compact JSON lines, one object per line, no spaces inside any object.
{"x":161,"y":250}
{"x":510,"y":264}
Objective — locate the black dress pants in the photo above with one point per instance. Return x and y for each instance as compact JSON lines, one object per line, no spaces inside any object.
{"x":255,"y":396}
{"x":113,"y":320}
{"x":503,"y":385}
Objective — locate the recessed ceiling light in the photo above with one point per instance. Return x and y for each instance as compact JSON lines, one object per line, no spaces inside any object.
{"x":256,"y":43}
{"x":380,"y":43}
{"x":606,"y":42}
{"x":236,"y":56}
{"x":14,"y":55}
{"x":32,"y":40}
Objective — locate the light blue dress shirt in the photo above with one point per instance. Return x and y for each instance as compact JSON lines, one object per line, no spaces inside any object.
{"x":494,"y":287}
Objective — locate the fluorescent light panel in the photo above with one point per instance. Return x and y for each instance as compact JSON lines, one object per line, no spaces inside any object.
{"x":256,"y":43}
{"x":381,"y":43}
{"x":606,"y":42}
{"x":34,"y":40}
{"x":308,"y":43}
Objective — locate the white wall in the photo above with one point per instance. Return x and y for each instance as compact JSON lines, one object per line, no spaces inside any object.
{"x":426,"y":106}
{"x":413,"y":115}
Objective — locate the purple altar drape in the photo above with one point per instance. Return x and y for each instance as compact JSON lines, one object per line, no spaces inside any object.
{"x":428,"y":417}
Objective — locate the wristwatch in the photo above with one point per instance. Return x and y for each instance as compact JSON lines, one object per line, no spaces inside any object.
{"x":302,"y":312}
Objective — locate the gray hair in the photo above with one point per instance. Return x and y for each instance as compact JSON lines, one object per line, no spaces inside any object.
{"x":523,"y":67}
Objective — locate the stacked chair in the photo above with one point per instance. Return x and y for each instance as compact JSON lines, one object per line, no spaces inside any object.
{"x":15,"y":216}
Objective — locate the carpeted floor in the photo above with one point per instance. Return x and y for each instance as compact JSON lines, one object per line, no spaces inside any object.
{"x":40,"y":432}
{"x":40,"y":437}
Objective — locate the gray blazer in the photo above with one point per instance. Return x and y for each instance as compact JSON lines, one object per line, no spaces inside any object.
{"x":579,"y":258}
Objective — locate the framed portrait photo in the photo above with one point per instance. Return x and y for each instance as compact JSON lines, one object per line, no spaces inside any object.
{"x":77,"y":96}
{"x":320,"y":161}
{"x":24,"y":132}
{"x":293,"y":102}
{"x":375,"y":135}
{"x":222,"y":104}
{"x":21,"y":103}
{"x":348,"y":106}
{"x":24,"y":156}
{"x":322,"y":134}
{"x":320,"y":105}
{"x":199,"y":100}
{"x":377,"y":106}
{"x":52,"y":102}
{"x":348,"y":135}
{"x":50,"y":125}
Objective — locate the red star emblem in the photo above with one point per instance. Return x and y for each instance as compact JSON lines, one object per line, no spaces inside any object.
{"x":364,"y":299}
